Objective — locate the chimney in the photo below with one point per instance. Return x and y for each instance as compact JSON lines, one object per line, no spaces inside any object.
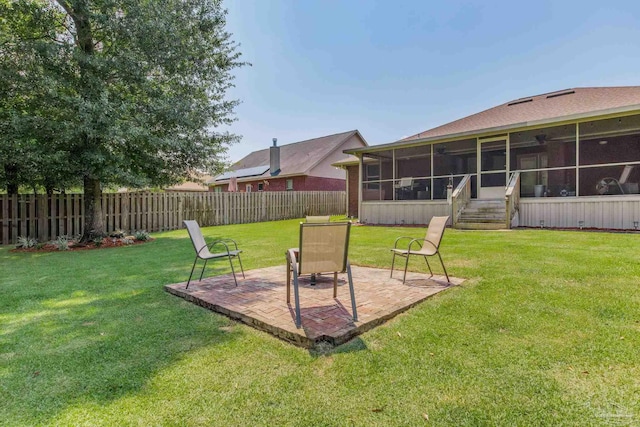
{"x":274,"y":158}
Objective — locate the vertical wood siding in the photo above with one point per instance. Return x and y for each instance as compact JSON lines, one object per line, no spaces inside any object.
{"x":613,"y":212}
{"x":408,"y":213}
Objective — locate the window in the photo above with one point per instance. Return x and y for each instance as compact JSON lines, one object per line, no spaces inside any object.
{"x":248,"y":188}
{"x":217,"y":189}
{"x":260,"y":186}
{"x":372,"y":172}
{"x":289,"y":184}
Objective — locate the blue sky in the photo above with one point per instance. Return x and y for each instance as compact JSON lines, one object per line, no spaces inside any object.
{"x":395,"y":68}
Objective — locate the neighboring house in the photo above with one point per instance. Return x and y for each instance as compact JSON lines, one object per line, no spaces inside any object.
{"x":197,"y":182}
{"x":566,"y":159}
{"x":301,"y":166}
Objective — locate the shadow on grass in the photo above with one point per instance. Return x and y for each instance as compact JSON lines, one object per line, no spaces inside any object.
{"x":94,"y":338}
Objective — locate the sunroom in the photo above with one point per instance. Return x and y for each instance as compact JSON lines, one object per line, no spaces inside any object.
{"x":579,"y":170}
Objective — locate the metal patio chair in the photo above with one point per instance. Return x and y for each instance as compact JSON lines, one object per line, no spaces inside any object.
{"x":428,"y":246}
{"x":318,"y":218}
{"x":221,"y":249}
{"x":323,"y":249}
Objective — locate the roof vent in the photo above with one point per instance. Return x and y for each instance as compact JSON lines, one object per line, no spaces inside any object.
{"x":520,"y":101}
{"x":555,"y":95}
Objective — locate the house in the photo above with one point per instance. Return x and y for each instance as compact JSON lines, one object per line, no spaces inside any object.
{"x":566,"y":159}
{"x":300,"y":166}
{"x":197,"y":182}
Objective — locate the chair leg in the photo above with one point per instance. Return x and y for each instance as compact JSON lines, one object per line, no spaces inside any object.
{"x":192,"y":268}
{"x":445,"y":270}
{"x":428,"y":265}
{"x":288,"y":280}
{"x":335,"y":284}
{"x":406,"y":264}
{"x":393,"y":261}
{"x":241,"y":269}
{"x":232,"y":270}
{"x":296,"y":297}
{"x":205,"y":266}
{"x":353,"y":295}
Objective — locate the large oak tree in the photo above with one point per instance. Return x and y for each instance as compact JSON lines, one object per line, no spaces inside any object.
{"x":122,"y":92}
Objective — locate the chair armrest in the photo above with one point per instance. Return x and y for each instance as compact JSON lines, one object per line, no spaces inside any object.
{"x":293,"y":259}
{"x":418,"y":241}
{"x":222,"y":242}
{"x":235,"y":244}
{"x":395,"y":244}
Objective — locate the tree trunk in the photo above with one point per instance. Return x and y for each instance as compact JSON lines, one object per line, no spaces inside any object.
{"x":11,"y":176}
{"x":93,"y":217}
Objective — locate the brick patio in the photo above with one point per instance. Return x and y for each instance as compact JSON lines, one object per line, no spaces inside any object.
{"x":259,"y":300}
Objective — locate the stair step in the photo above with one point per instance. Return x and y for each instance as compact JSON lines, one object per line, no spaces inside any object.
{"x":483,"y":215}
{"x":485,"y":211}
{"x":481,"y":219}
{"x":480,"y":225}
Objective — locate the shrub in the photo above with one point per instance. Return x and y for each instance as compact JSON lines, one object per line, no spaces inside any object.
{"x":118,"y":234}
{"x":98,"y":241}
{"x":26,"y":242}
{"x":142,"y":235}
{"x":62,"y":243}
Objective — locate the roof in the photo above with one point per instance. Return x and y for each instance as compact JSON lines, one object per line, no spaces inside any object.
{"x":350,"y":161}
{"x":297,"y":158}
{"x":567,"y":104}
{"x":197,"y":182}
{"x":188,"y":186}
{"x":243,"y":173}
{"x":555,"y":105}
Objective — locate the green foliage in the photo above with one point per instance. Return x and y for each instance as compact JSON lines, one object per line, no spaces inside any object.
{"x":544,"y":332}
{"x":26,"y":242}
{"x":29,"y":117}
{"x":124,"y":93}
{"x":142,"y":235}
{"x":117,"y":234}
{"x":62,"y":243}
{"x":98,"y":241}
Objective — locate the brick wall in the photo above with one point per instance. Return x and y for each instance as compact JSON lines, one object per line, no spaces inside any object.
{"x":352,"y":197}
{"x":300,"y":183}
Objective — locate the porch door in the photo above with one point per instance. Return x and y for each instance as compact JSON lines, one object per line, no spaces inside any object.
{"x":492,"y":164}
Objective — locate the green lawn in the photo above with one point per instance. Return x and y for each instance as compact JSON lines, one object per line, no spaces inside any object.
{"x":545,"y":331}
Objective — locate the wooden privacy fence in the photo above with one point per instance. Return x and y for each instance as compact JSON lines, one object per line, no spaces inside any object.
{"x":47,"y":217}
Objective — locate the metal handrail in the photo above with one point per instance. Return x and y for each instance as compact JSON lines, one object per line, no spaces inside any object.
{"x":512,"y":197}
{"x":460,"y":197}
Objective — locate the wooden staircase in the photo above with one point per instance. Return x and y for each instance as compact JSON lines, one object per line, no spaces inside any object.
{"x":489,"y":214}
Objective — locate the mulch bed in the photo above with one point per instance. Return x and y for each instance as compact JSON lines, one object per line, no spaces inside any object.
{"x":107,"y":242}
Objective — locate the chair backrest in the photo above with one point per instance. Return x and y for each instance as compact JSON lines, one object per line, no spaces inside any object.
{"x":436,"y":229}
{"x":318,"y":218}
{"x":196,"y":234}
{"x":405,"y":182}
{"x":624,"y":176}
{"x":323,"y":247}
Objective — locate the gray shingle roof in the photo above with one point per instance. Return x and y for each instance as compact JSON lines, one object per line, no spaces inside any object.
{"x":548,"y":106}
{"x":296,"y":158}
